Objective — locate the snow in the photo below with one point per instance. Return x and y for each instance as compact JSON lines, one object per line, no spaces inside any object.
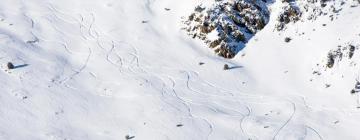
{"x":92,"y":70}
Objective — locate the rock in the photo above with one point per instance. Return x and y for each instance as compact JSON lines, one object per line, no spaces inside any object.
{"x":287,"y":39}
{"x":235,"y":22}
{"x":334,"y":55}
{"x":10,"y":65}
{"x":327,"y":85}
{"x":356,"y":89}
{"x":215,"y":43}
{"x":353,"y":91}
{"x":226,"y":67}
{"x":290,"y":14}
{"x":351,"y":51}
{"x":127,"y":137}
{"x":179,"y":125}
{"x":331,"y":60}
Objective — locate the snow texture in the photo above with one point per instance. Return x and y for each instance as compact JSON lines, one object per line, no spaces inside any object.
{"x":125,"y":70}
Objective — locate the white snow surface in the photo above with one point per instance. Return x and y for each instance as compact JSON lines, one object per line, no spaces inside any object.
{"x":91,"y":70}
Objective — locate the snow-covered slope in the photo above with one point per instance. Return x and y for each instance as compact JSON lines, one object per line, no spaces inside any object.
{"x":120,"y":69}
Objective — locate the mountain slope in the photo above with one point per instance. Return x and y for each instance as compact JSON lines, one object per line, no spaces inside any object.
{"x":106,"y":69}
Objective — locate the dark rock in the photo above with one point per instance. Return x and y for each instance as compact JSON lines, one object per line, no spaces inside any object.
{"x":235,"y":22}
{"x":290,"y":14}
{"x":327,"y":85}
{"x":127,"y":137}
{"x":331,"y":60}
{"x":10,"y":65}
{"x":215,"y":43}
{"x":287,"y":39}
{"x":351,"y":51}
{"x":353,"y":91}
{"x":179,"y":125}
{"x":356,"y":89}
{"x":226,"y":67}
{"x":334,"y":55}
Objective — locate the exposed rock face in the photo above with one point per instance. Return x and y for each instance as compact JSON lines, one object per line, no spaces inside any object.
{"x":342,"y":56}
{"x":290,"y":13}
{"x":337,"y":55}
{"x":356,"y":89}
{"x":296,"y":10}
{"x":228,"y":25}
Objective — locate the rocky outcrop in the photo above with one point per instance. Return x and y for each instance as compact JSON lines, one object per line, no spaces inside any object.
{"x":228,"y":25}
{"x":290,"y":13}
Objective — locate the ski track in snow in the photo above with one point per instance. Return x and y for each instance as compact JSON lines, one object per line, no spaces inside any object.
{"x":121,"y":79}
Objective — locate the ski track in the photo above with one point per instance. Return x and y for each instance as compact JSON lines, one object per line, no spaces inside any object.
{"x":315,"y":131}
{"x":174,"y":89}
{"x":242,"y":120}
{"x":77,"y":72}
{"x":287,"y":121}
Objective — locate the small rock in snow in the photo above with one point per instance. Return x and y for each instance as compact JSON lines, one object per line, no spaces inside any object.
{"x":287,"y":39}
{"x":127,"y":137}
{"x":10,"y":65}
{"x":226,"y":67}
